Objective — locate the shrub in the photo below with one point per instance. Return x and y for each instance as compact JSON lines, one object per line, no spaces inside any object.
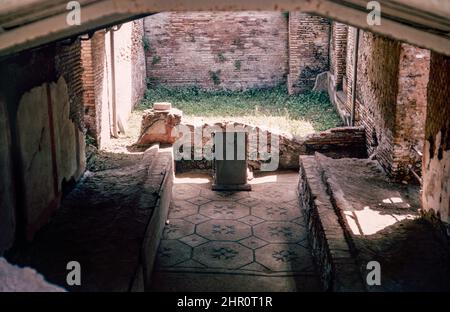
{"x":156,"y":59}
{"x":146,"y":44}
{"x":215,"y":76}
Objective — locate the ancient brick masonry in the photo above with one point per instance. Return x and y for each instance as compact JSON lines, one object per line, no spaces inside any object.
{"x":231,"y":50}
{"x":390,"y":95}
{"x":69,"y":64}
{"x":308,"y":50}
{"x":377,"y":85}
{"x":338,"y":48}
{"x":88,"y":82}
{"x":95,"y":82}
{"x":391,"y":100}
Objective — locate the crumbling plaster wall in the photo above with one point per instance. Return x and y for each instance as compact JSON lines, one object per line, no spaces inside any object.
{"x":436,"y":157}
{"x":129,"y":78}
{"x":411,"y":106}
{"x":42,"y":128}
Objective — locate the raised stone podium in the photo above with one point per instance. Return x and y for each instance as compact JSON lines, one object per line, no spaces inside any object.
{"x":230,"y":161}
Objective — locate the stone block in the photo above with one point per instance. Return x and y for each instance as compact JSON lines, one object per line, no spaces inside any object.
{"x":157,"y":125}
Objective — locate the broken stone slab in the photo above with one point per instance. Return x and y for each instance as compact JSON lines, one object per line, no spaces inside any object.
{"x":158,"y":106}
{"x":158,"y":124}
{"x":321,"y":83}
{"x":15,"y":279}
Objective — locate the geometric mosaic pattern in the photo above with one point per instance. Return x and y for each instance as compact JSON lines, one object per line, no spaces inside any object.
{"x":256,"y":232}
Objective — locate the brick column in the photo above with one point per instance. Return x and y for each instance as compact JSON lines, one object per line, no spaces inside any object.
{"x":338,"y":53}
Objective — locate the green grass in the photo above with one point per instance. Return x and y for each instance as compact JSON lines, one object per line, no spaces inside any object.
{"x":272,"y":107}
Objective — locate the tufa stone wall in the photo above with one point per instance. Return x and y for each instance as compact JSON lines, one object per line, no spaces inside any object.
{"x":436,"y":157}
{"x":228,"y":50}
{"x":308,"y":50}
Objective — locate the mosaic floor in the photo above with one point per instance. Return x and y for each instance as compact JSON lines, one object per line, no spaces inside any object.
{"x":259,"y":233}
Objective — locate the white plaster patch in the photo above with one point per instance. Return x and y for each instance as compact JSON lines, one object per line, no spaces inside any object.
{"x":436,"y":181}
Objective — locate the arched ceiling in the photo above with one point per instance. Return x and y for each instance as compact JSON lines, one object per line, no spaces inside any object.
{"x":29,"y":23}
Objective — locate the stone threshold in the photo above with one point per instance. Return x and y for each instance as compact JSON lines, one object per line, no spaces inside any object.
{"x":331,"y":244}
{"x":239,"y":271}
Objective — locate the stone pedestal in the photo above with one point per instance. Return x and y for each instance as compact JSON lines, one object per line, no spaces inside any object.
{"x":158,"y":123}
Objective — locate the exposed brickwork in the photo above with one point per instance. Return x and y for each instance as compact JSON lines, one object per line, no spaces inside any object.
{"x":231,"y":50}
{"x":390,"y":96}
{"x":377,"y":88}
{"x":95,"y":84}
{"x":88,"y":84}
{"x":338,"y":52}
{"x":348,"y":78}
{"x":69,"y":64}
{"x":308,"y":50}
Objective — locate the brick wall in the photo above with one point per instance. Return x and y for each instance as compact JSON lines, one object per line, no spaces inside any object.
{"x":95,"y":81}
{"x":69,"y":65}
{"x":308,"y":50}
{"x":347,"y":81}
{"x":231,"y":50}
{"x":88,"y":83}
{"x":376,"y":93}
{"x":338,"y":52}
{"x":390,"y":96}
